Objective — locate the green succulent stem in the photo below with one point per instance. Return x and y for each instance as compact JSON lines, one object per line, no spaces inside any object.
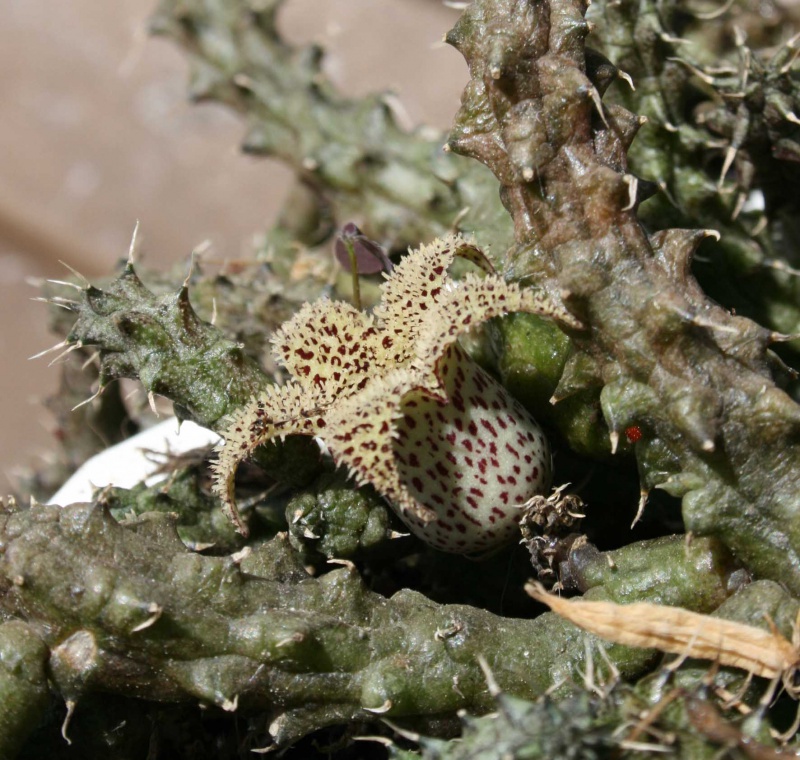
{"x":161,"y":341}
{"x":127,"y":608}
{"x":24,"y":692}
{"x":717,"y":431}
{"x":351,"y":154}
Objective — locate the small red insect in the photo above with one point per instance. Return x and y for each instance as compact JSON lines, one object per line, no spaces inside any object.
{"x":633,"y":433}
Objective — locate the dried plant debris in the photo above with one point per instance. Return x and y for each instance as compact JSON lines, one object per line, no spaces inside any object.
{"x":549,"y":527}
{"x":399,"y":403}
{"x":679,"y":631}
{"x":578,"y":727}
{"x":586,"y":726}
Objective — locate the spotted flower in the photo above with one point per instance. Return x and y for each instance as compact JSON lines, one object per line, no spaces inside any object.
{"x":399,"y":403}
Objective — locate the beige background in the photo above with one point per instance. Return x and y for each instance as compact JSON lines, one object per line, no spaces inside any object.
{"x":96,"y":132}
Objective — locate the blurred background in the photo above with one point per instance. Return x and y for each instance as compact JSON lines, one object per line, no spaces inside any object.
{"x":97,"y":132}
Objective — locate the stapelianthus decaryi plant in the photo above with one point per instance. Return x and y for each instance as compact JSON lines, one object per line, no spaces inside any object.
{"x":343,"y":574}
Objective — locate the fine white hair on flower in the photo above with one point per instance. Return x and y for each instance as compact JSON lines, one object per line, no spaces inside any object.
{"x":399,"y":403}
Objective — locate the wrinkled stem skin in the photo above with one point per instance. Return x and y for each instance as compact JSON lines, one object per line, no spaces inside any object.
{"x":129,"y":609}
{"x":716,"y":430}
{"x":162,"y":342}
{"x":692,"y":125}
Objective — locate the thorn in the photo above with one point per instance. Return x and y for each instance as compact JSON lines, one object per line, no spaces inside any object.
{"x":91,"y":359}
{"x":51,"y":302}
{"x":613,"y":436}
{"x":662,"y":186}
{"x":792,"y":41}
{"x":65,"y":284}
{"x":446,"y":148}
{"x":379,"y":739}
{"x":132,"y":247}
{"x":213,"y":311}
{"x":458,"y":218}
{"x":73,"y":347}
{"x":598,"y":104}
{"x":151,"y":399}
{"x":708,"y":445}
{"x":730,"y":155}
{"x":398,"y":110}
{"x":71,"y":704}
{"x":640,"y":510}
{"x":787,"y":67}
{"x":384,"y":708}
{"x":698,"y":72}
{"x":625,"y":76}
{"x":132,"y":393}
{"x":527,"y":173}
{"x":155,"y":611}
{"x":74,"y":271}
{"x":405,"y":733}
{"x":738,"y":206}
{"x":711,"y":325}
{"x":494,"y":689}
{"x":310,"y":164}
{"x":790,"y":45}
{"x":61,"y":301}
{"x":91,"y":398}
{"x":495,"y":72}
{"x":712,"y":234}
{"x":776,"y":337}
{"x":185,"y":285}
{"x":243,"y":81}
{"x":711,"y":15}
{"x":759,"y":227}
{"x":201,"y":249}
{"x":230,"y":705}
{"x":670,"y":127}
{"x":57,"y":346}
{"x":633,"y":186}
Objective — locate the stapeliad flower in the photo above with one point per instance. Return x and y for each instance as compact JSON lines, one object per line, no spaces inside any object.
{"x":400,"y":404}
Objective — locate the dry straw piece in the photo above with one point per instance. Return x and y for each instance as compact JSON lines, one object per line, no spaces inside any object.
{"x":678,"y":631}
